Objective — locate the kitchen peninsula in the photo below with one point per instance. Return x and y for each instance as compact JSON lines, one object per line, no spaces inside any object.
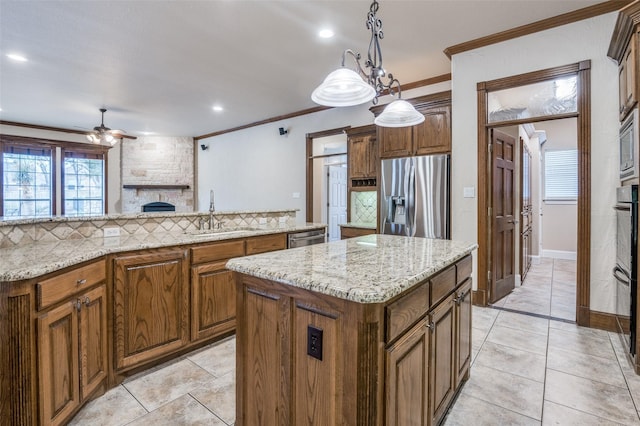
{"x":371,"y":330}
{"x":87,"y":302}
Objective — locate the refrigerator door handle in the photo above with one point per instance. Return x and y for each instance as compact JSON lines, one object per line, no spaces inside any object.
{"x":411,"y":201}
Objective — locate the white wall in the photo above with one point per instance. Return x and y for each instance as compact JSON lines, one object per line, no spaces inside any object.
{"x":256,"y":168}
{"x":113,"y":158}
{"x":588,"y":39}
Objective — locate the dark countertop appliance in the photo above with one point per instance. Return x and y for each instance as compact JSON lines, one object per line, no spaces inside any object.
{"x":625,"y":271}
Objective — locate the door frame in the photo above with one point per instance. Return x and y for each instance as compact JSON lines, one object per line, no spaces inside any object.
{"x":309,"y":165}
{"x":583,"y":115}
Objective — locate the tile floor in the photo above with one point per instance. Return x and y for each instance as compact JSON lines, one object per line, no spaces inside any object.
{"x":526,"y":370}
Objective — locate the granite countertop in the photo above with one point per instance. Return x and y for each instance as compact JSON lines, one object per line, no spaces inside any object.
{"x":368,"y":269}
{"x":39,"y":258}
{"x":362,"y":225}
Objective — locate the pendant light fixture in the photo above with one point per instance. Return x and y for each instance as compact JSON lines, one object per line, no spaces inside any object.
{"x":347,"y":87}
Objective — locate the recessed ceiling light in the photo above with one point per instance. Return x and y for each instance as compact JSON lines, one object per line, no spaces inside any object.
{"x":326,"y":33}
{"x":217,"y":108}
{"x":16,"y":57}
{"x":147,"y":133}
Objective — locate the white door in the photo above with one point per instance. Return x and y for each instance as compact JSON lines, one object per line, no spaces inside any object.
{"x":337,"y":200}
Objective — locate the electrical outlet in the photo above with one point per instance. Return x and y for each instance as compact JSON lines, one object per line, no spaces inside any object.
{"x":111,"y":232}
{"x":314,"y":342}
{"x":282,"y":219}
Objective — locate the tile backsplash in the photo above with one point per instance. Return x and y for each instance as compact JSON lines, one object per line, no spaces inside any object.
{"x":364,"y":207}
{"x":26,"y":231}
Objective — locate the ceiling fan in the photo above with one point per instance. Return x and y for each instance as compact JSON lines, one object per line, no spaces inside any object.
{"x":102,"y":134}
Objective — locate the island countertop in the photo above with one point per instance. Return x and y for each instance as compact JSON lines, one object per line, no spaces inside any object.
{"x":368,"y":269}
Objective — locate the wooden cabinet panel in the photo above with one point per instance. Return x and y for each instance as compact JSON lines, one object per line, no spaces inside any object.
{"x":266,"y":243}
{"x":93,"y":339}
{"x":402,"y":313}
{"x":213,"y":300}
{"x":434,"y":134}
{"x":363,"y":152}
{"x":443,"y":284}
{"x":217,"y":251}
{"x":463,"y":332}
{"x":151,"y":305}
{"x":442,"y":358}
{"x":349,"y":232}
{"x":627,"y":78}
{"x":395,"y":141}
{"x":463,"y":269}
{"x":64,"y":285}
{"x":407,"y":378}
{"x":318,"y":387}
{"x":58,"y":365}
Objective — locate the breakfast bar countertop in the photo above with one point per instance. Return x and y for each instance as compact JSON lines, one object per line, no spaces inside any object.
{"x":368,"y":269}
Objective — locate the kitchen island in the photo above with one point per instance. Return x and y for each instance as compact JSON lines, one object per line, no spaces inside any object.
{"x":367,"y":331}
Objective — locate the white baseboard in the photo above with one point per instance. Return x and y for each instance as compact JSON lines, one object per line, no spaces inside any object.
{"x":518,"y":282}
{"x":535,"y":260}
{"x":559,"y":254}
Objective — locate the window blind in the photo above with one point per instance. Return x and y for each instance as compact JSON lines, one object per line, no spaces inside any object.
{"x":561,"y":175}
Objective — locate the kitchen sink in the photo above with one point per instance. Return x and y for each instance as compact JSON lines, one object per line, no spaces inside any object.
{"x":208,"y":232}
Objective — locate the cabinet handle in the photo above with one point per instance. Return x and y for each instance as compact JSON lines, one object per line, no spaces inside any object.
{"x":87,"y":301}
{"x":78,"y":305}
{"x":81,"y":281}
{"x":431,"y":326}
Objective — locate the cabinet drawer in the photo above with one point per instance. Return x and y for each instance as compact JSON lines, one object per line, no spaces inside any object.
{"x":62,"y":286}
{"x":405,"y":311}
{"x":266,"y":243}
{"x":217,"y":251}
{"x":443,"y":284}
{"x":347,"y":232}
{"x":463,"y":269}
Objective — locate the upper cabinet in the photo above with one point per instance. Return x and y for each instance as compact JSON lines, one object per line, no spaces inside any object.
{"x":433,"y":136}
{"x":362,"y":148}
{"x":624,"y":50}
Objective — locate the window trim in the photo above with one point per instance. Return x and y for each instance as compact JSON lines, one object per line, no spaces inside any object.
{"x":57,"y":152}
{"x":82,"y":152}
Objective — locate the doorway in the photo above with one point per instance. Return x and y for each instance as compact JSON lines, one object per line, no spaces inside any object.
{"x":327,"y":180}
{"x":487,"y":224}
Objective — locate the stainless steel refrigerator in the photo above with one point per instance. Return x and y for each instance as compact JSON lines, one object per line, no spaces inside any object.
{"x":414,"y":196}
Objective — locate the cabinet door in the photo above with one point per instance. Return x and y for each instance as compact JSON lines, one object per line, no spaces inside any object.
{"x":93,"y":339}
{"x":395,"y":141}
{"x":58,"y":363}
{"x":213,"y":300}
{"x":442,"y":358}
{"x":407,"y":378}
{"x":434,"y":134}
{"x":463,"y":331}
{"x":627,"y":78}
{"x":151,"y":306}
{"x":359,"y":153}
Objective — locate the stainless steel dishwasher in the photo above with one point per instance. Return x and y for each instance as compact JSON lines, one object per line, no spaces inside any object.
{"x":306,"y":238}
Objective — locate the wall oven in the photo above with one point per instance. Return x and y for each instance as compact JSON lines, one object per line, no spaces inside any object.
{"x":629,"y":147}
{"x":625,"y":271}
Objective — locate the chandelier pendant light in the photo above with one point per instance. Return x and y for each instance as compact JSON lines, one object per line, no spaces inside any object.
{"x":347,"y":87}
{"x":102,"y":134}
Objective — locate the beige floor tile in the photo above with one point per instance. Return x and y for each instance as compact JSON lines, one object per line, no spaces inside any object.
{"x":218,"y":359}
{"x":604,"y":370}
{"x":219,"y":396}
{"x":473,"y":411}
{"x":523,"y":322}
{"x":528,"y":303}
{"x":580,"y":331}
{"x":116,"y":407}
{"x":483,"y":318}
{"x":595,"y":398}
{"x":570,"y":341}
{"x":515,"y":361}
{"x":563,"y":312}
{"x":182,"y":411}
{"x":556,"y":414}
{"x":564,"y":290}
{"x":518,"y":339}
{"x":564,"y":277}
{"x":564,"y":265}
{"x":167,"y":384}
{"x":515,"y":393}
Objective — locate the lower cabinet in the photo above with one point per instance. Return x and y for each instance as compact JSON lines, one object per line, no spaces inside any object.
{"x":213,"y":300}
{"x":72,"y":353}
{"x":151,"y":305}
{"x":463,"y":332}
{"x":441,"y":366}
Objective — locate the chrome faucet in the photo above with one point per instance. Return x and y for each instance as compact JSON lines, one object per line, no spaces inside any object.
{"x":211,"y":218}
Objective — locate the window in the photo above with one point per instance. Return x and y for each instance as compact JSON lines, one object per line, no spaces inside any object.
{"x":41,"y":177}
{"x":83,"y":184}
{"x":27,"y":188}
{"x":561,"y":175}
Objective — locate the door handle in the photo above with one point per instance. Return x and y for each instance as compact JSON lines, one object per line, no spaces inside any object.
{"x":512,"y":221}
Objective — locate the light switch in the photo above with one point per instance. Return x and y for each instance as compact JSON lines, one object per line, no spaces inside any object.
{"x":469,"y":192}
{"x":296,"y":195}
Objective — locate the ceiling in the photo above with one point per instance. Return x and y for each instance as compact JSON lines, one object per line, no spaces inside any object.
{"x":160,"y":66}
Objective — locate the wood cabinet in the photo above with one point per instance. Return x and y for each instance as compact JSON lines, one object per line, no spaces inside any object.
{"x":627,"y":78}
{"x":412,"y":353}
{"x":623,"y":48}
{"x":362,"y":150}
{"x":71,"y":340}
{"x":151,"y":305}
{"x":266,"y":243}
{"x":433,"y":136}
{"x":351,"y":232}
